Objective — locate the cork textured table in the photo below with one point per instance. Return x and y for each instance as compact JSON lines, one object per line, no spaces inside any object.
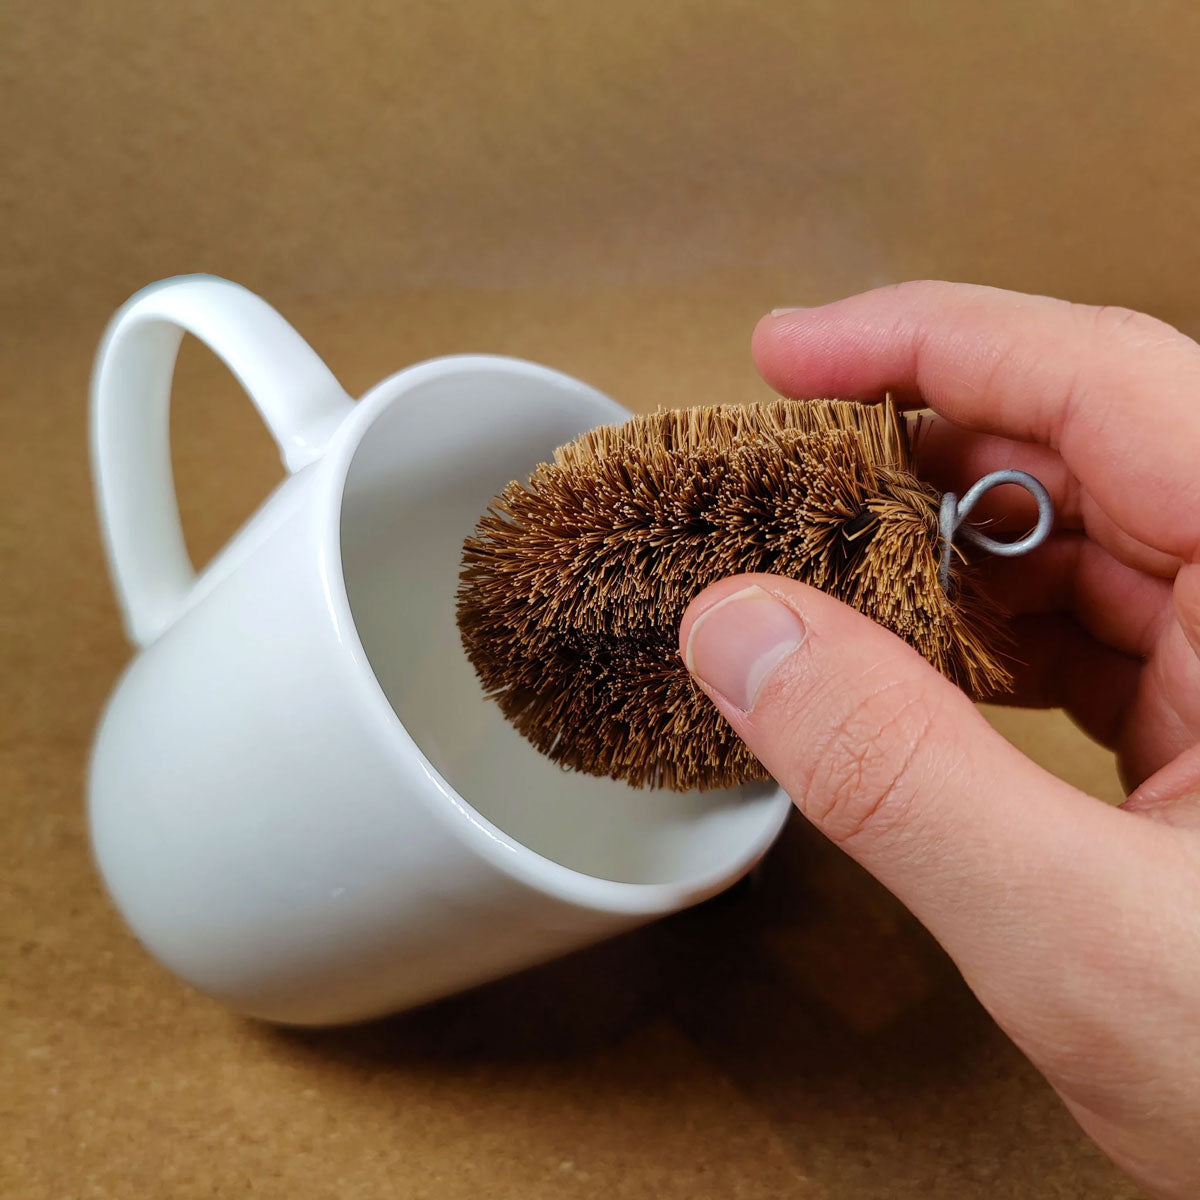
{"x":801,"y":1036}
{"x":617,"y":191}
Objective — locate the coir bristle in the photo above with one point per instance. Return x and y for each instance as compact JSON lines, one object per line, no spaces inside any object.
{"x":574,"y":583}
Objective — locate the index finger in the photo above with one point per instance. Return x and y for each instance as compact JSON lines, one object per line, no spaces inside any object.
{"x":1115,"y":392}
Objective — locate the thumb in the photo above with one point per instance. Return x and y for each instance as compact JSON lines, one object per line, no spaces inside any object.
{"x":894,"y":764}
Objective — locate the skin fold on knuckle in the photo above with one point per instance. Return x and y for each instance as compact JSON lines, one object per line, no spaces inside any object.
{"x":1127,"y":327}
{"x":852,"y":773}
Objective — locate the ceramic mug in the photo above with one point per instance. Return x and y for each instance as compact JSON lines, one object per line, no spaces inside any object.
{"x":300,"y":799}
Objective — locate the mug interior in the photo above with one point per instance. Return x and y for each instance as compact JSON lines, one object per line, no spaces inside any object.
{"x":420,"y":477}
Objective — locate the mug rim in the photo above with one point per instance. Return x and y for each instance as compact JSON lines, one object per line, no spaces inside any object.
{"x":453,"y":810}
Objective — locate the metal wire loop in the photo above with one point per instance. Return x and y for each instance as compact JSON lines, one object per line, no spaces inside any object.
{"x":955,"y":512}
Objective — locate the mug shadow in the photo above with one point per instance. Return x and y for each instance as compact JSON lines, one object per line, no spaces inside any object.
{"x":806,"y":998}
{"x":806,"y":968}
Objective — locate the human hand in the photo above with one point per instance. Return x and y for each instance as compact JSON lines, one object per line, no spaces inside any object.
{"x":1077,"y":924}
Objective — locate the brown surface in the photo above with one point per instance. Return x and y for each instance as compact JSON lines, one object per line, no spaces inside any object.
{"x":618,"y":192}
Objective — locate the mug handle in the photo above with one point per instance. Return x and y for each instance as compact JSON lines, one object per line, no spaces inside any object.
{"x":293,"y":390}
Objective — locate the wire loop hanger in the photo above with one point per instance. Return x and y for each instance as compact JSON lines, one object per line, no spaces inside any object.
{"x":955,"y":512}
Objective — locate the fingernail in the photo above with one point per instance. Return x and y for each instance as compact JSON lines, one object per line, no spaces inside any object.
{"x":783,"y":312}
{"x":737,"y":645}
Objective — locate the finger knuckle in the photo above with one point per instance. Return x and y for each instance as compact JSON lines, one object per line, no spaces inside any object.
{"x":1114,"y":323}
{"x":859,"y":779}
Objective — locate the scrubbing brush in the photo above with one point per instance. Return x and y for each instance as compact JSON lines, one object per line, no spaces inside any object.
{"x":575,"y":581}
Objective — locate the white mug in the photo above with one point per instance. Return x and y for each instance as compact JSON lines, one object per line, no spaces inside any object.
{"x":300,"y":799}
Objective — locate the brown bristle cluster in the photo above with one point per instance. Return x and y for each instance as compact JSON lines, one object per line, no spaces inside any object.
{"x":574,"y":583}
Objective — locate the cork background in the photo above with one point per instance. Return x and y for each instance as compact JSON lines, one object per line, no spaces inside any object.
{"x":618,"y":191}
